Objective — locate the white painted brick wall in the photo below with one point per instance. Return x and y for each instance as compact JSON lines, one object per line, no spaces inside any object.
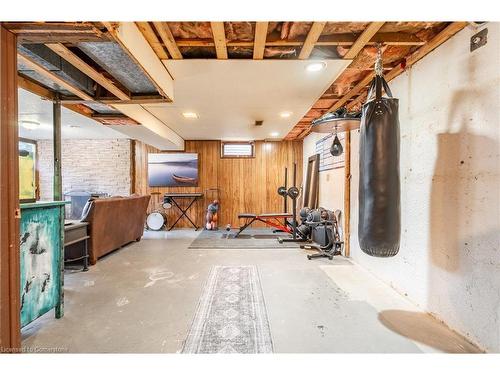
{"x":87,"y":164}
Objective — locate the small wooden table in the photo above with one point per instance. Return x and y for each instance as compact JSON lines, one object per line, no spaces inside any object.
{"x":76,"y":232}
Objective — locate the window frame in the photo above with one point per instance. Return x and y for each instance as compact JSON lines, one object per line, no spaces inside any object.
{"x":223,"y":143}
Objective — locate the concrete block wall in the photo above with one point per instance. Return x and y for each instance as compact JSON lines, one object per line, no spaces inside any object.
{"x":87,"y":164}
{"x":449,"y":260}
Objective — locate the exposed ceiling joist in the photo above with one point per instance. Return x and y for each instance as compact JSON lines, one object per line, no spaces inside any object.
{"x":77,"y":106}
{"x":33,"y":87}
{"x":260,"y":40}
{"x":364,"y":38}
{"x":46,"y":32}
{"x":168,"y":39}
{"x":135,"y":44}
{"x":395,"y":39}
{"x":85,"y":68}
{"x":113,"y":119}
{"x":52,"y":27}
{"x":111,"y":101}
{"x":439,"y":39}
{"x":31,"y":64}
{"x":435,"y":42}
{"x":390,"y":39}
{"x":353,"y":92}
{"x":219,"y":35}
{"x":432,"y":44}
{"x":152,"y":39}
{"x":311,"y":39}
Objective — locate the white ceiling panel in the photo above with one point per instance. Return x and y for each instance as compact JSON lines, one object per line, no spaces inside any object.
{"x":230,"y":95}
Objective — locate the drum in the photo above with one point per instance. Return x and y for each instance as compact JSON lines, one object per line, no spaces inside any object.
{"x":167,"y":203}
{"x":156,"y":220}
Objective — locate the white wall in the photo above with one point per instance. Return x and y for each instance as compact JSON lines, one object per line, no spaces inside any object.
{"x":449,"y":261}
{"x":96,"y":165}
{"x":331,"y":182}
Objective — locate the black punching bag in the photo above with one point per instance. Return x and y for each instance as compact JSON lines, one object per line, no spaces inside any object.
{"x":379,"y":225}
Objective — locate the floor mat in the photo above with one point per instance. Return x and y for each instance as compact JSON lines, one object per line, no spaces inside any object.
{"x":231,"y":316}
{"x":249,"y":239}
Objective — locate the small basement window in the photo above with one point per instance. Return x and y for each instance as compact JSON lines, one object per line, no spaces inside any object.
{"x":237,"y":149}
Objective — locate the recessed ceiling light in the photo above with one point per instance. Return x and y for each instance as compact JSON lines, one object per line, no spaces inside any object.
{"x":316,"y":66}
{"x":30,"y":125}
{"x":190,"y":114}
{"x":274,"y":134}
{"x":285,"y":114}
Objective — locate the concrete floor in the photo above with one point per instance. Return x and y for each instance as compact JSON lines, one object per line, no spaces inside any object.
{"x":142,"y":298}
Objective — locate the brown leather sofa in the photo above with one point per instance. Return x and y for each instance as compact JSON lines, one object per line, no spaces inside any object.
{"x":115,"y":222}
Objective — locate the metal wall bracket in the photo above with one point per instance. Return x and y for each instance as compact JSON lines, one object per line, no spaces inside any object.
{"x":479,"y":39}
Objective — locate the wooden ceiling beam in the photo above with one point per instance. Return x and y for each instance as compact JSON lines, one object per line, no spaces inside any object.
{"x":396,"y":39}
{"x":432,"y":44}
{"x":110,"y":101}
{"x":46,"y":32}
{"x":390,"y":39}
{"x":152,"y":39}
{"x":51,"y":27}
{"x":113,"y":119}
{"x":33,"y":87}
{"x":31,"y":64}
{"x":260,"y":40}
{"x":219,"y":34}
{"x":311,"y":39}
{"x":88,"y":70}
{"x":353,"y":92}
{"x":133,"y":42}
{"x":168,"y":39}
{"x":359,"y":89}
{"x":435,"y":42}
{"x":363,"y":39}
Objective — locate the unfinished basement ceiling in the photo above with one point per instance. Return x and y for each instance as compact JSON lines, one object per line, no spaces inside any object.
{"x":74,"y":125}
{"x":230,"y":95}
{"x":117,"y":62}
{"x":98,"y":44}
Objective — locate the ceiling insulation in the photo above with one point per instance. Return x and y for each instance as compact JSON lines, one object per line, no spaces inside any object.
{"x":239,"y":30}
{"x":112,"y":58}
{"x":189,"y":30}
{"x":51,"y":61}
{"x":101,"y":108}
{"x":37,"y":77}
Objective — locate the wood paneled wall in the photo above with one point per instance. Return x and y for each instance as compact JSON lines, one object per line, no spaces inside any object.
{"x":10,"y":330}
{"x":245,"y":185}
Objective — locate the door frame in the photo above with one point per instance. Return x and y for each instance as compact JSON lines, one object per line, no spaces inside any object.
{"x":10,"y":329}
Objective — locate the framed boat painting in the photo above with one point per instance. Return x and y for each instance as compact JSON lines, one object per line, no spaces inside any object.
{"x":173,"y":170}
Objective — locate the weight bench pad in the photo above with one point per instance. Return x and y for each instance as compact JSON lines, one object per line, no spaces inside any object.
{"x":246,"y":216}
{"x":252,"y":216}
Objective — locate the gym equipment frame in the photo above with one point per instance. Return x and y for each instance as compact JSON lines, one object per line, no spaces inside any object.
{"x":272,"y":220}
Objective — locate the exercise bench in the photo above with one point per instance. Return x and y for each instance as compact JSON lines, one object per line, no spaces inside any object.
{"x":272,"y":220}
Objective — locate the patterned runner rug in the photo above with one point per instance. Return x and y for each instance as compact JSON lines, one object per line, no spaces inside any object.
{"x":231,"y":315}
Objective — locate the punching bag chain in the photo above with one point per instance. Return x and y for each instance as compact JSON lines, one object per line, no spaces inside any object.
{"x":379,"y":67}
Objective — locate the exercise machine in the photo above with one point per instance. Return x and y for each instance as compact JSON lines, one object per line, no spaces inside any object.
{"x":331,"y":222}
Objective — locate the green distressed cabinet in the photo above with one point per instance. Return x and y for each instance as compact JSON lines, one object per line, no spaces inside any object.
{"x":42,"y":259}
